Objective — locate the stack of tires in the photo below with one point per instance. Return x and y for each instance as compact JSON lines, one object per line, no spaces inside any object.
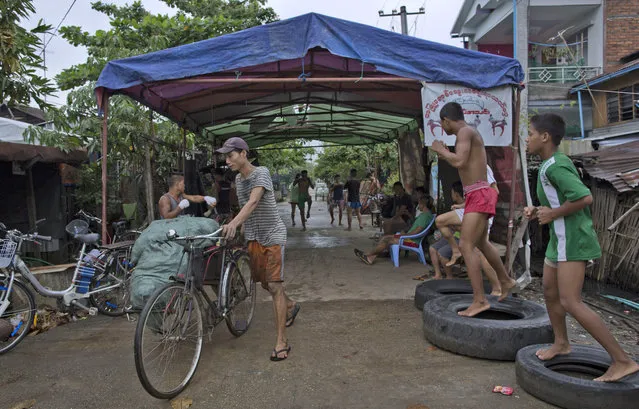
{"x":513,"y":330}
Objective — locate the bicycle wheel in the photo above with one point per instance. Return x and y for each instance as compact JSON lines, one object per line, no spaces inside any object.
{"x":113,"y":301}
{"x":168,"y":341}
{"x":20,"y":313}
{"x":240,"y":295}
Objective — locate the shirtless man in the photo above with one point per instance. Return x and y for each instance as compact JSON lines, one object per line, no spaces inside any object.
{"x":470,"y":159}
{"x":173,"y":202}
{"x":304,"y":184}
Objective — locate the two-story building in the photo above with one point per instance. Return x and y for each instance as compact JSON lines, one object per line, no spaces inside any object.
{"x":569,"y":41}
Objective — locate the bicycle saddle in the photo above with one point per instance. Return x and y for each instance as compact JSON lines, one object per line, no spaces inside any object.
{"x":89,"y":238}
{"x":120,"y":224}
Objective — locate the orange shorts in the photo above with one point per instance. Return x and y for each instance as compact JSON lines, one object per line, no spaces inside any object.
{"x":267,"y":263}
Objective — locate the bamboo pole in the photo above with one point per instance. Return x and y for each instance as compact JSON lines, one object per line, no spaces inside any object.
{"x":513,"y":175}
{"x":105,"y":107}
{"x":148,"y":172}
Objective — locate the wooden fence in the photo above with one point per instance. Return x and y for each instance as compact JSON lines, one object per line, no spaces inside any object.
{"x":620,"y":248}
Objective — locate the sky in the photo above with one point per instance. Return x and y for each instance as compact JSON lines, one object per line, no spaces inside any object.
{"x":435,"y":25}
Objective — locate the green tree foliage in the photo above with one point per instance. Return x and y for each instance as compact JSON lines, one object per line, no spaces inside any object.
{"x":341,"y":159}
{"x":133,"y":31}
{"x":290,"y":157}
{"x":20,"y":57}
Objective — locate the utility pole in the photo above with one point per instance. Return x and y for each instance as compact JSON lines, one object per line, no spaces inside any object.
{"x":403,"y":14}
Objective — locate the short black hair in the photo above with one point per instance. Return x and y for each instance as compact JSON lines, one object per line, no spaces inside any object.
{"x":458,"y":188}
{"x":305,"y":171}
{"x":452,"y":111}
{"x":420,"y":189}
{"x":551,"y":123}
{"x":353,"y":171}
{"x":219,"y":171}
{"x":336,"y":176}
{"x":175,"y":179}
{"x":398,"y":184}
{"x":428,"y":202}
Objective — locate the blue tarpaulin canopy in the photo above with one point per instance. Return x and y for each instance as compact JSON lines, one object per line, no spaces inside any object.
{"x":268,"y":71}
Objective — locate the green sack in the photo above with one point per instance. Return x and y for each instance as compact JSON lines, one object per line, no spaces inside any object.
{"x":156,"y":259}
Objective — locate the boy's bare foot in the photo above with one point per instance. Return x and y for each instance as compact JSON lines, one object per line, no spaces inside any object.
{"x":304,"y":228}
{"x":437,"y":277}
{"x":553,"y":351}
{"x":475,"y":308}
{"x":361,"y":227}
{"x":618,"y":370}
{"x":496,"y":292}
{"x":348,"y":229}
{"x":507,"y":287}
{"x":454,"y":259}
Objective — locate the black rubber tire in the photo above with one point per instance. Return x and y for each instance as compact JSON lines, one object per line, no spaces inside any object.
{"x":486,"y":338}
{"x":565,"y":391}
{"x":431,"y":289}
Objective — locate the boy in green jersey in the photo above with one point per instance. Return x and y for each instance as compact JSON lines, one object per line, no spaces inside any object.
{"x":564,"y":207}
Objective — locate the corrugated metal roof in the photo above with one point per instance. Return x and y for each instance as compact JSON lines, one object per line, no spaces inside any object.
{"x":624,"y":69}
{"x":618,"y":165}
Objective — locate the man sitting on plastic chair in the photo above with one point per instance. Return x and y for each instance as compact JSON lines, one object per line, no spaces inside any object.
{"x":423,"y":222}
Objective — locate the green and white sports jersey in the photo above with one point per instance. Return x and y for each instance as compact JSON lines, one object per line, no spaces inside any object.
{"x":572,"y":238}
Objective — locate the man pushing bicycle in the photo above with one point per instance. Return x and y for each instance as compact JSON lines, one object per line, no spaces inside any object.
{"x":266,"y":235}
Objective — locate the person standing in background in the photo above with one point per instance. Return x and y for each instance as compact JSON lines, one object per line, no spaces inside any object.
{"x":293,"y":196}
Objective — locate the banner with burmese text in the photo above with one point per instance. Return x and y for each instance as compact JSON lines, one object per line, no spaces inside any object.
{"x":489,"y":111}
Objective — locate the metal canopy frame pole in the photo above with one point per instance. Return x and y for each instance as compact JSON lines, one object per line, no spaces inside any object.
{"x":289,"y":79}
{"x":514,"y":176}
{"x":105,"y":107}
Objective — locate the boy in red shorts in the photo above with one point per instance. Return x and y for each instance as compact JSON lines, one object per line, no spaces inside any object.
{"x":470,"y":159}
{"x":573,"y":242}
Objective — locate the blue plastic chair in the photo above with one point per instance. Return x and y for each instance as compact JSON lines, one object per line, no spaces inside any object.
{"x":395,"y":248}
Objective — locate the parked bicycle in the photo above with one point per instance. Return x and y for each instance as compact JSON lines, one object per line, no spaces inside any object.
{"x":170,"y":330}
{"x":121,"y":231}
{"x":102,"y":278}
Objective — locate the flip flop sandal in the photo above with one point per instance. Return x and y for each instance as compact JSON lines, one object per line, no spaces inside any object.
{"x":360,"y":254}
{"x":276,"y":358}
{"x":291,"y":319}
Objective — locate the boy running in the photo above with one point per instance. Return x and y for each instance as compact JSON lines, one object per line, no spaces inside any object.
{"x":564,"y":206}
{"x":293,"y":196}
{"x":352,"y":198}
{"x":481,"y":200}
{"x":336,"y":199}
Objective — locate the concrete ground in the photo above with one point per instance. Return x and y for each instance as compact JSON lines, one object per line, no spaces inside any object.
{"x":357,"y":343}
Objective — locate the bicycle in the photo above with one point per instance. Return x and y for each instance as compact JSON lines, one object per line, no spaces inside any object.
{"x":121,"y":232}
{"x":102,"y":279}
{"x":170,"y":328}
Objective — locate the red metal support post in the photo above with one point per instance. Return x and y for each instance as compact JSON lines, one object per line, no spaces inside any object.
{"x":105,"y":107}
{"x":514,"y":176}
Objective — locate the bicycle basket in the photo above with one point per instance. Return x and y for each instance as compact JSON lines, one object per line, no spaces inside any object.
{"x":7,"y":251}
{"x":76,"y":227}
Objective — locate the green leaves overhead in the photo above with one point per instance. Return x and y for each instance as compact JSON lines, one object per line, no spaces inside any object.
{"x":20,"y":56}
{"x":134,"y":31}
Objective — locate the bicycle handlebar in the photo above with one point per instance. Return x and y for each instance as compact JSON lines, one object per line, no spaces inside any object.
{"x":89,"y":216}
{"x":17,"y":234}
{"x":43,"y":238}
{"x":172,"y":235}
